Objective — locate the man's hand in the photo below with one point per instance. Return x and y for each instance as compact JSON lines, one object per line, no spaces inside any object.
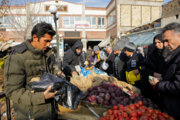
{"x":154,"y":81}
{"x":86,"y":63}
{"x":60,"y":73}
{"x":157,"y":75}
{"x":74,"y":73}
{"x":47,"y":94}
{"x":136,"y":72}
{"x":98,"y":60}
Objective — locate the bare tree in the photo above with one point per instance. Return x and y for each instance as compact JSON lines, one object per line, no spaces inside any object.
{"x":24,"y":22}
{"x":4,"y":4}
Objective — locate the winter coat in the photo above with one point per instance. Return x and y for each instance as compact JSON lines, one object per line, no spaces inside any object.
{"x":155,"y":62}
{"x":130,"y":65}
{"x":122,"y":66}
{"x":169,"y":87}
{"x":24,"y":63}
{"x":110,"y":61}
{"x":117,"y":66}
{"x":83,"y":59}
{"x":134,"y":62}
{"x":71,"y":59}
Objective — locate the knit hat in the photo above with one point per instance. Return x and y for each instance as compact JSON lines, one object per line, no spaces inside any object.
{"x":130,"y":46}
{"x":96,"y":48}
{"x":116,"y":47}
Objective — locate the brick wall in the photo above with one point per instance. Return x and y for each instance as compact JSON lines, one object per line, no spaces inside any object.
{"x":171,"y":9}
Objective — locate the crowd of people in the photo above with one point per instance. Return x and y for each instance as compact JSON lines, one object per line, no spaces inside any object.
{"x":155,"y":69}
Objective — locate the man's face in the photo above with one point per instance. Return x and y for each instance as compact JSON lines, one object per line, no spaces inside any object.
{"x":43,"y":43}
{"x":117,"y":52}
{"x":171,"y":40}
{"x":128,"y":53}
{"x":89,"y":48}
{"x":109,"y":50}
{"x":78,"y":51}
{"x":158,"y":44}
{"x":96,"y":52}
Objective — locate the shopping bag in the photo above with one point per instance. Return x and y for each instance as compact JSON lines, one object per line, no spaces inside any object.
{"x":104,"y":65}
{"x":131,"y":77}
{"x":68,"y":95}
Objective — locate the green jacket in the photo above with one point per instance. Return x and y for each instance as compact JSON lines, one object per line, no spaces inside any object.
{"x":25,"y":63}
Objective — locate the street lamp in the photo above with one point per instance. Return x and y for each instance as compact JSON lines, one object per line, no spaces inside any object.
{"x":53,"y":10}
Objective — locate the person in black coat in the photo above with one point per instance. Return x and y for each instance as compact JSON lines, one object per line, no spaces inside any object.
{"x":154,"y":65}
{"x":133,"y":61}
{"x":169,"y":84}
{"x":155,"y":60}
{"x":117,"y":62}
{"x":72,"y":59}
{"x":110,"y":60}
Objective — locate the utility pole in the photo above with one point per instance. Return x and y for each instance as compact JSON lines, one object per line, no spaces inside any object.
{"x":84,"y":40}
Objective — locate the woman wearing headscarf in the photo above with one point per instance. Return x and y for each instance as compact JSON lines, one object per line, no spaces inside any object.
{"x":154,"y":65}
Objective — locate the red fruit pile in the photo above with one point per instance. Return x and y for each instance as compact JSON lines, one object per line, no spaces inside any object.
{"x":135,"y":112}
{"x":110,"y":94}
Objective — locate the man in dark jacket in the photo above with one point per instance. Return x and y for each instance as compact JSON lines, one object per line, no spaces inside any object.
{"x":26,"y":62}
{"x":117,"y":62}
{"x":71,"y":60}
{"x":133,"y":63}
{"x":169,"y":86}
{"x":110,"y":60}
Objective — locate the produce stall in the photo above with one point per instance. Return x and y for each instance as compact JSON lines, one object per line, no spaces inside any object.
{"x":106,"y":98}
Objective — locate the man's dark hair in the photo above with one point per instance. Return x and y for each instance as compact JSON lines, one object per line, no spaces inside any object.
{"x":42,"y":28}
{"x":172,"y":26}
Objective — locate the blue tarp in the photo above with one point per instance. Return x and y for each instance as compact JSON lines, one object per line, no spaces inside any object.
{"x":85,"y":72}
{"x":143,"y":38}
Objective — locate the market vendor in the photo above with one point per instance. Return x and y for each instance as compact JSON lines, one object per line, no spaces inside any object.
{"x":72,"y":61}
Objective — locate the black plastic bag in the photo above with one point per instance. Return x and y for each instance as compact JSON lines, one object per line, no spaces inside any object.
{"x":67,"y":95}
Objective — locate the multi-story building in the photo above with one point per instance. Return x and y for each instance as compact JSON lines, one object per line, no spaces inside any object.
{"x":123,"y":15}
{"x":19,"y":20}
{"x":170,"y":12}
{"x":118,"y":16}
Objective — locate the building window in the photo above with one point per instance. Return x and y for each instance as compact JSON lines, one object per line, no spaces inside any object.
{"x":111,"y":18}
{"x":69,"y":21}
{"x":19,"y":21}
{"x":101,"y":22}
{"x":92,"y":21}
{"x":47,"y":19}
{"x":177,"y":16}
{"x":5,"y":21}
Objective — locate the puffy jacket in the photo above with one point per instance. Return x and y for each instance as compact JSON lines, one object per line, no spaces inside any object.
{"x":169,"y":87}
{"x":21,"y":66}
{"x":71,"y":59}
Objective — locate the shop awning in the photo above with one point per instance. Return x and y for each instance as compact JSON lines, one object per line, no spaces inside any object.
{"x":144,"y":37}
{"x":105,"y":42}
